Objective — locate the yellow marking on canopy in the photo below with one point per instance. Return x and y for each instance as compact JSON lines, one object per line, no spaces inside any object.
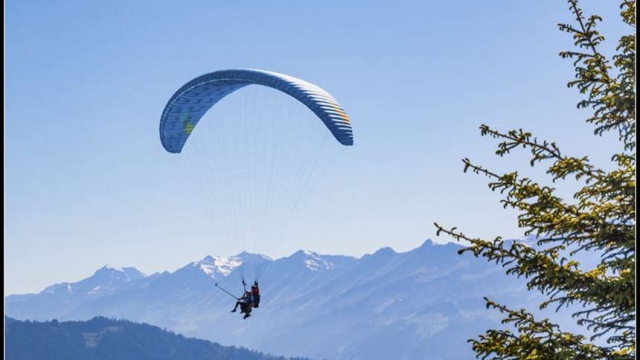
{"x":188,"y":128}
{"x":341,"y":113}
{"x":187,"y":125}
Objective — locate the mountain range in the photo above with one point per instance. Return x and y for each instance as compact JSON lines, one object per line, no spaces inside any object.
{"x":420,"y":304}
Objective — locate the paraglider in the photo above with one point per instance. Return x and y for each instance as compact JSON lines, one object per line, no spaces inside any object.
{"x":239,"y":210}
{"x":246,"y":302}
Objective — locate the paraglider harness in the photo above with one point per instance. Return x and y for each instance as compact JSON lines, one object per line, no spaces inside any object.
{"x":255,"y":294}
{"x":252,"y":296}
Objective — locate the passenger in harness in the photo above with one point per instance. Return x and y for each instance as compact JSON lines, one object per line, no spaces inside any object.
{"x":246,"y":303}
{"x":255,"y":292}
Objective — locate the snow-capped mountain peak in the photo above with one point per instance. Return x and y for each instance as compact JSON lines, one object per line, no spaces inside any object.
{"x":104,"y":280}
{"x":212,"y":265}
{"x":313,"y":261}
{"x":251,"y":258}
{"x":121,"y":273}
{"x":57,"y":287}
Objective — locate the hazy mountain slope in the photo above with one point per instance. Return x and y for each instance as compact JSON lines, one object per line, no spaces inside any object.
{"x":108,"y":339}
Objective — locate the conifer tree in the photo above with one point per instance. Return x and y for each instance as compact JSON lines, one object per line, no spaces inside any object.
{"x":600,"y":219}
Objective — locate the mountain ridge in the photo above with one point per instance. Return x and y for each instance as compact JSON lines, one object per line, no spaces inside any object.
{"x":382,"y":305}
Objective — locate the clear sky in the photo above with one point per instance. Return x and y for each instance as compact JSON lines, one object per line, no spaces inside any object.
{"x":88,"y":183}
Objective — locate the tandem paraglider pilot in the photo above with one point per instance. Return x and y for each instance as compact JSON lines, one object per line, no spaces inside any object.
{"x":248,"y":301}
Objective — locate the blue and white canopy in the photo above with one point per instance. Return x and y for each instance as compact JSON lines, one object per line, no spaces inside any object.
{"x":187,"y":106}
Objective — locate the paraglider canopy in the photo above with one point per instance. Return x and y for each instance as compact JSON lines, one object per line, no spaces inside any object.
{"x":187,"y":106}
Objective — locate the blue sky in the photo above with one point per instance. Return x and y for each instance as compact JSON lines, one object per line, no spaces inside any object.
{"x":87,"y":182}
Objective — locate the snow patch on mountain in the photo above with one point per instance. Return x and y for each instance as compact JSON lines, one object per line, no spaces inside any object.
{"x":250,"y":258}
{"x":315,"y":262}
{"x":120,"y":273}
{"x":109,"y":267}
{"x":95,"y":290}
{"x":211,"y":265}
{"x":105,"y":278}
